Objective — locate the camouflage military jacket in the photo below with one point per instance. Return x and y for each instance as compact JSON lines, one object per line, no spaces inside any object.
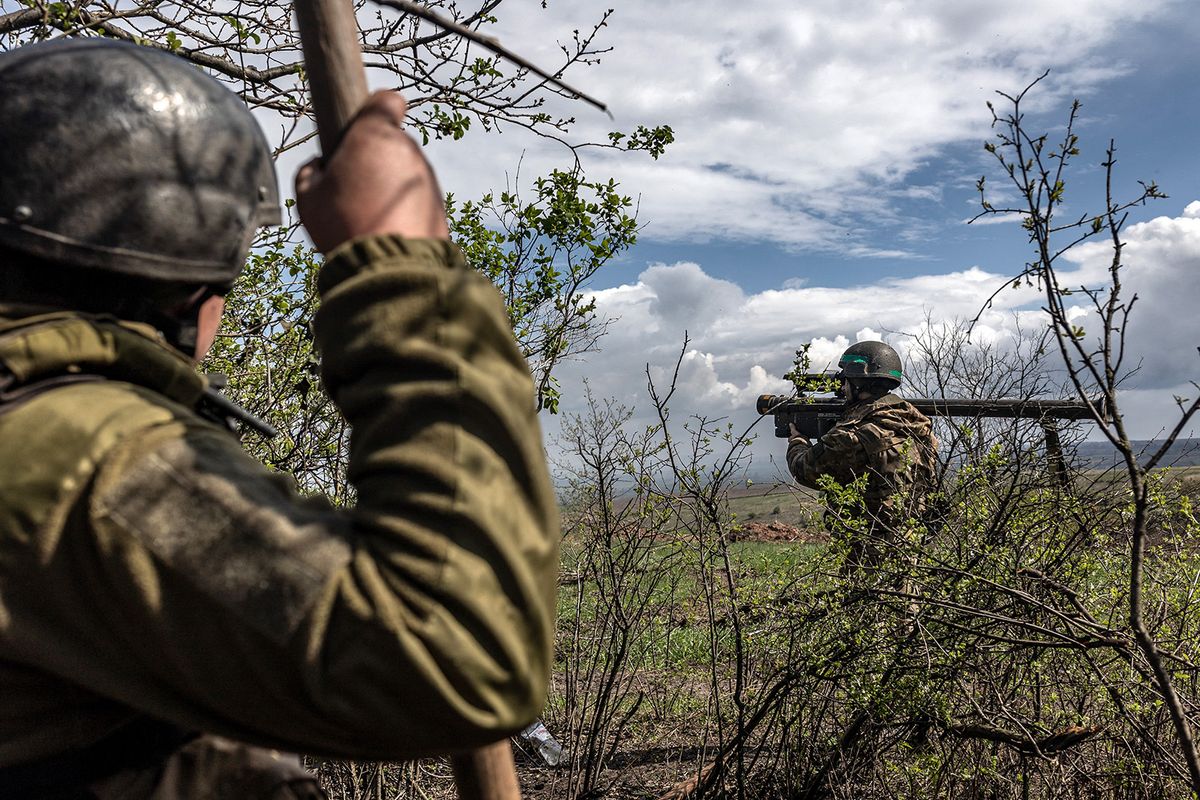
{"x":151,"y":569}
{"x":889,"y":441}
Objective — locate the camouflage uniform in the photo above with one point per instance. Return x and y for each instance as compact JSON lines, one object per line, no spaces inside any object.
{"x":889,"y":441}
{"x":156,"y":581}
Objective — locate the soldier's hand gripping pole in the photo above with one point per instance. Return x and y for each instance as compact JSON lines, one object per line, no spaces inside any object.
{"x":338,"y":85}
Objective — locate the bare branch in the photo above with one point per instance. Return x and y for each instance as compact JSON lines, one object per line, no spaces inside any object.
{"x":489,"y":42}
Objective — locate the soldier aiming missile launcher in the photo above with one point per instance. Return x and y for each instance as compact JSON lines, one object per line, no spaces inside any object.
{"x":815,"y":413}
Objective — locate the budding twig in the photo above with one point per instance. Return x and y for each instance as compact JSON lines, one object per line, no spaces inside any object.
{"x":489,"y":42}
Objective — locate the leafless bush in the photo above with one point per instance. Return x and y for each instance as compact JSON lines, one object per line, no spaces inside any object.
{"x":621,"y":557}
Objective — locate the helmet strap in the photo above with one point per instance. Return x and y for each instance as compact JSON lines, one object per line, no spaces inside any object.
{"x":180,"y":331}
{"x":180,"y":326}
{"x":855,"y":393}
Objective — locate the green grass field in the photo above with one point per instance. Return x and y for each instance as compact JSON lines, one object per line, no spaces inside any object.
{"x":788,"y":505}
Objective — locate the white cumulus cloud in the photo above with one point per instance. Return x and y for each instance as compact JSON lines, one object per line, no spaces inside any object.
{"x":794,"y":121}
{"x":739,"y":344}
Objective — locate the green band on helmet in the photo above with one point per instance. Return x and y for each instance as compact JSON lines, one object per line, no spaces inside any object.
{"x":896,"y":372}
{"x":853,"y":359}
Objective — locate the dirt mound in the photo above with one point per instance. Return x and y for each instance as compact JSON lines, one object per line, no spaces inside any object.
{"x":775,"y":532}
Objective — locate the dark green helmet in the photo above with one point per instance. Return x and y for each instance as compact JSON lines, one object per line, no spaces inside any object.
{"x":874,"y":360}
{"x":130,"y":161}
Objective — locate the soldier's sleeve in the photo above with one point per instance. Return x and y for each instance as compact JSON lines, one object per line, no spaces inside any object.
{"x":839,"y":453}
{"x":422,"y":619}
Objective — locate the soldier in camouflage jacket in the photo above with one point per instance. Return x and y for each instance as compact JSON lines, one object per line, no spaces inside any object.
{"x":173,"y":615}
{"x":881,"y":438}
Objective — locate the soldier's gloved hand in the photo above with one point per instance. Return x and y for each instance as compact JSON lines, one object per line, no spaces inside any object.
{"x":795,"y":437}
{"x":376,"y":182}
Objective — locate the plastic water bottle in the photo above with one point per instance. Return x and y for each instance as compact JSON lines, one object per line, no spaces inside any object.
{"x":545,"y":744}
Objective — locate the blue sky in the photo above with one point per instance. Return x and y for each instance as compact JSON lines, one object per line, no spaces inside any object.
{"x":824,"y":168}
{"x":1151,"y":112}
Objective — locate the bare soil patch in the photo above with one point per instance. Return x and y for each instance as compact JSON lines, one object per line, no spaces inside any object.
{"x":776,"y":531}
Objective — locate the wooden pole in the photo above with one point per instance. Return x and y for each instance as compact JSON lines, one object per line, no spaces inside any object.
{"x":333,"y":64}
{"x":338,"y":85}
{"x":487,"y":773}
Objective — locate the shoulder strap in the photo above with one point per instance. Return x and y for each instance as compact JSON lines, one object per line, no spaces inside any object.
{"x":212,"y":405}
{"x":11,"y":398}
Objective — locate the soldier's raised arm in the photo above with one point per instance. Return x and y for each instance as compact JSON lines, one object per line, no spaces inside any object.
{"x":154,"y":572}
